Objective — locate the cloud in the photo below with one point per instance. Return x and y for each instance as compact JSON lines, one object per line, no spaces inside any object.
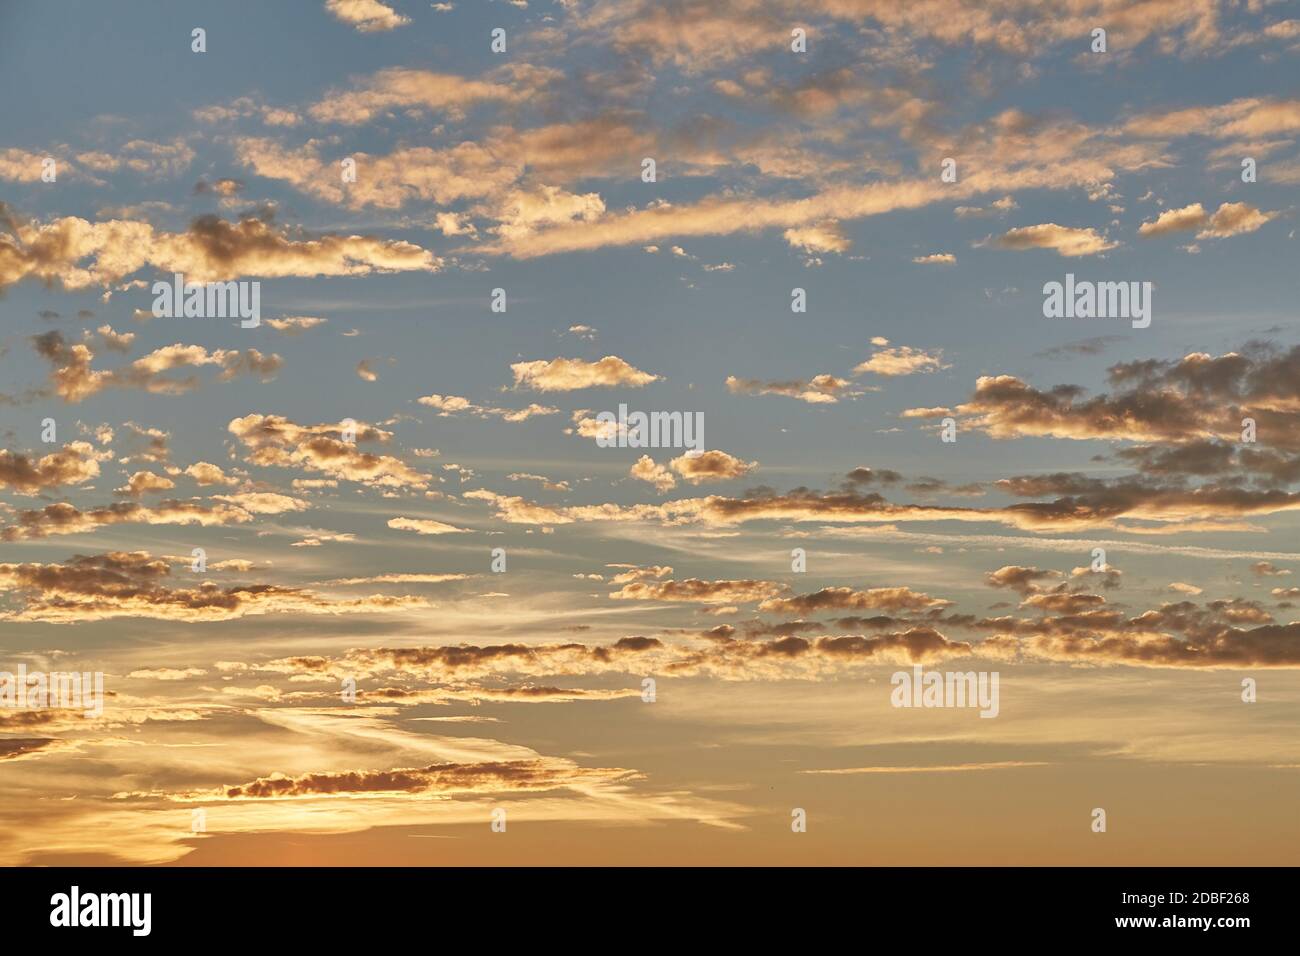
{"x":143,"y":482}
{"x":1180,"y":634}
{"x":155,"y":443}
{"x":230,"y":564}
{"x":521,"y":212}
{"x":272,"y":440}
{"x":819,"y":390}
{"x":528,"y":694}
{"x":19,"y":748}
{"x":516,"y":509}
{"x":719,"y":216}
{"x":226,"y":188}
{"x":1234,"y":219}
{"x":1018,"y":152}
{"x":842,"y":598}
{"x":368,"y":16}
{"x":1230,"y":219}
{"x":205,"y":473}
{"x":166,"y":673}
{"x":783,"y":658}
{"x":690,"y":36}
{"x":696,"y":591}
{"x":702,"y":37}
{"x":1096,"y":345}
{"x":901,"y":360}
{"x":78,"y":254}
{"x":399,"y":578}
{"x":499,"y":171}
{"x":449,"y":405}
{"x":398,"y":88}
{"x":22,"y":166}
{"x":711,"y":466}
{"x":74,"y":379}
{"x":315,"y":539}
{"x":74,"y":464}
{"x":998,"y":207}
{"x":546,"y":483}
{"x":1082,"y":502}
{"x":64,"y":518}
{"x":118,"y":584}
{"x":645,"y":469}
{"x":1189,"y":402}
{"x":1109,"y":577}
{"x":565,"y":375}
{"x":1065,"y":240}
{"x":1062,"y":602}
{"x":1022,"y":580}
{"x":115,"y":341}
{"x":1175,"y":220}
{"x":467,"y":661}
{"x":264,"y":502}
{"x":295,"y":324}
{"x":1036,"y":26}
{"x":142,"y":156}
{"x":826,"y":236}
{"x":467,"y":170}
{"x":631,"y":572}
{"x":863,"y":476}
{"x":241,"y":107}
{"x":937,"y":768}
{"x":1246,"y":118}
{"x":425,"y":526}
{"x":515,"y":776}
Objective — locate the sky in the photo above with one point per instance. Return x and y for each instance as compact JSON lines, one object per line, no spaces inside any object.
{"x":374,"y":580}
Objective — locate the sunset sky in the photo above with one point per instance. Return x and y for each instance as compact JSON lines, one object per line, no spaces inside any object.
{"x":334,"y":557}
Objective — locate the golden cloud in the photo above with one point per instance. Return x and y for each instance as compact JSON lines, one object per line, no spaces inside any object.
{"x":119,"y":584}
{"x":79,"y":254}
{"x":1065,"y":240}
{"x":566,"y":375}
{"x":272,"y":440}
